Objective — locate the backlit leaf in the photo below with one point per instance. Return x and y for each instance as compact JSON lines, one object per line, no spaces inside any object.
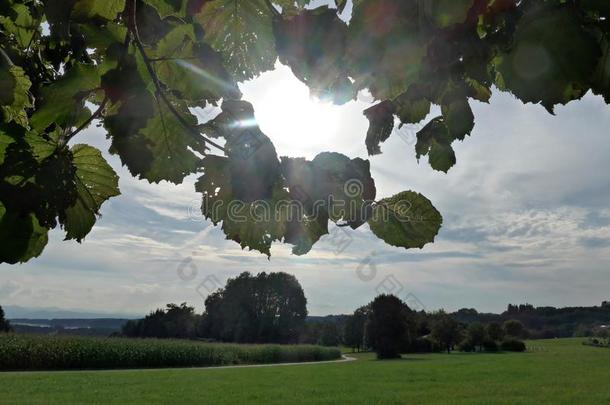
{"x":407,"y":220}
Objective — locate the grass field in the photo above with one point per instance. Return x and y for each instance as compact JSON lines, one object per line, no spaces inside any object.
{"x":553,"y":371}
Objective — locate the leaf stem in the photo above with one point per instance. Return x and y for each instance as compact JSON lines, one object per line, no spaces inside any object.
{"x":6,"y":58}
{"x":160,"y":91}
{"x":85,"y":124}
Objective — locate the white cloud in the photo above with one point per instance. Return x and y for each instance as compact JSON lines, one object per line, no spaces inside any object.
{"x":525,"y":209}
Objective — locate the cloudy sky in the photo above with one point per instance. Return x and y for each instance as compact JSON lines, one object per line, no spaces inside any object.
{"x":527,"y":219}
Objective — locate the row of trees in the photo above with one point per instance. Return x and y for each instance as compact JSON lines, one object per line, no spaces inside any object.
{"x":545,"y":322}
{"x":263,"y":308}
{"x":272,"y":308}
{"x":5,"y":326}
{"x":389,"y":327}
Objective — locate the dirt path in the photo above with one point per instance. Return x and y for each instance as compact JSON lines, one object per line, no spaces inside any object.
{"x":343,"y":359}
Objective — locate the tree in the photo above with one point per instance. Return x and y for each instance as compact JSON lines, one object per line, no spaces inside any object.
{"x":387,"y":326}
{"x":176,"y":321}
{"x":330,"y":335}
{"x":477,"y":334}
{"x":5,"y":326}
{"x":445,"y":330}
{"x":514,"y":328}
{"x":266,"y":308}
{"x":137,"y":62}
{"x":355,"y":328}
{"x":495,"y":331}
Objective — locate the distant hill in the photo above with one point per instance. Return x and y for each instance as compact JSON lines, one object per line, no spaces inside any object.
{"x":17,"y":312}
{"x":80,"y":327}
{"x":545,"y":322}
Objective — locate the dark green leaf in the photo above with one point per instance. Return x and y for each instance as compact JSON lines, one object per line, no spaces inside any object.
{"x":241,"y":31}
{"x":407,"y":220}
{"x":96,"y":182}
{"x":22,"y":237}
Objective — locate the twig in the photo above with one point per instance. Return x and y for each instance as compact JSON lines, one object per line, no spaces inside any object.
{"x":160,"y":91}
{"x":85,"y":124}
{"x":272,"y":8}
{"x":6,"y":58}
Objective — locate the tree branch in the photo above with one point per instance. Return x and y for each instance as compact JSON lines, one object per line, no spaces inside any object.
{"x":272,"y":8}
{"x":6,"y":58}
{"x":85,"y":124}
{"x":160,"y":91}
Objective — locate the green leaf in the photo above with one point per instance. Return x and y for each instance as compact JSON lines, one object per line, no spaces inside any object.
{"x":386,"y":47}
{"x":19,"y":25}
{"x":541,"y":66}
{"x":459,"y":118}
{"x":313,"y":44}
{"x":107,"y":9}
{"x":22,"y":236}
{"x":160,"y":150}
{"x":381,"y":125}
{"x":435,"y":141}
{"x":192,"y":68}
{"x":241,"y":31}
{"x":5,"y":141}
{"x":332,"y":185}
{"x":63,"y":102}
{"x":252,"y":224}
{"x":407,"y":220}
{"x":253,"y":161}
{"x":167,"y":8}
{"x":96,"y":182}
{"x":445,"y":13}
{"x":149,"y":138}
{"x":14,"y":94}
{"x":411,"y":106}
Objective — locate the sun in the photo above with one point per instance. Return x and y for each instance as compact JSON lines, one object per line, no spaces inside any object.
{"x":297,"y":123}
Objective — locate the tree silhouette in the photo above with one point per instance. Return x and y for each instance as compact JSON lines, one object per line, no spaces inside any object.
{"x":387,"y":327}
{"x":445,"y":331}
{"x":268,"y":307}
{"x":175,"y":321}
{"x":355,"y":328}
{"x":5,"y":326}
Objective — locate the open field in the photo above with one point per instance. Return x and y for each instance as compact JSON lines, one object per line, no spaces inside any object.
{"x":554,"y":371}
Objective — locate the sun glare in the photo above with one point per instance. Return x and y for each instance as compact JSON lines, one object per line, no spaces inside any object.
{"x":297,"y":123}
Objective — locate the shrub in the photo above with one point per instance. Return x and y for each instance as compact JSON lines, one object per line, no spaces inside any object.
{"x":31,"y":352}
{"x":467,"y":346}
{"x":513,"y":345}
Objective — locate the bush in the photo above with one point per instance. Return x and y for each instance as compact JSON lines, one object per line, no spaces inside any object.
{"x":513,"y":345}
{"x":30,"y":352}
{"x":467,"y":346}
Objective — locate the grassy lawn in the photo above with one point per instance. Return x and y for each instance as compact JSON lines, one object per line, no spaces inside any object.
{"x":553,"y":371}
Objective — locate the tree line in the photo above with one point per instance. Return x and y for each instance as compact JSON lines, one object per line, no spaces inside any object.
{"x":262,"y":308}
{"x":272,"y":308}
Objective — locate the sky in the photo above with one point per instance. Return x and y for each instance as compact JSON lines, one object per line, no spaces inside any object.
{"x":526,"y":219}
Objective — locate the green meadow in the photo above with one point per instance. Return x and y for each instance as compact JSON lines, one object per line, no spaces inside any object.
{"x":552,"y":371}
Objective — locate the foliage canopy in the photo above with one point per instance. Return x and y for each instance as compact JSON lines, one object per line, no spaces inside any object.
{"x":141,"y":67}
